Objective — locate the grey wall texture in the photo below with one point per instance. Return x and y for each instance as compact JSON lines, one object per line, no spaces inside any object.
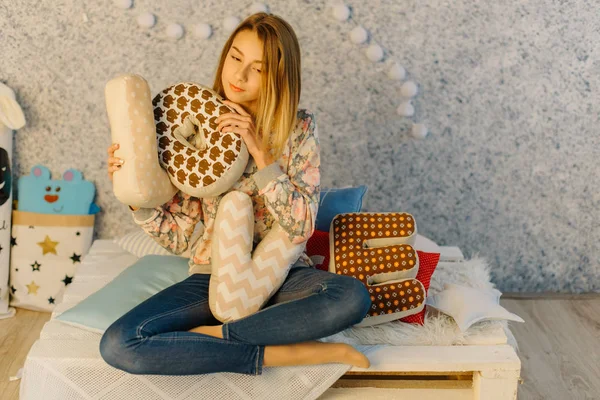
{"x":507,"y":89}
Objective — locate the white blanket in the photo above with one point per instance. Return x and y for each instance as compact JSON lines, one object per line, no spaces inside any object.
{"x":65,"y":362}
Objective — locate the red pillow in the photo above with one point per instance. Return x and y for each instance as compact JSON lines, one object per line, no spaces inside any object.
{"x":427,"y":264}
{"x":318,"y":245}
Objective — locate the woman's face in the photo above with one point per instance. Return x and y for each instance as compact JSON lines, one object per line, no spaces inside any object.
{"x":242,"y":69}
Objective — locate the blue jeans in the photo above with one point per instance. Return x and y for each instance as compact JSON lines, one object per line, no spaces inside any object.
{"x":153,"y":337}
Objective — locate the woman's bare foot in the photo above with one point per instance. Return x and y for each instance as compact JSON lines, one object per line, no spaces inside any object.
{"x":314,"y":352}
{"x":307,"y":353}
{"x":354,"y":357}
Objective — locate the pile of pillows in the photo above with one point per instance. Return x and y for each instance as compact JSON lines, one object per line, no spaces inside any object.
{"x":146,"y":277}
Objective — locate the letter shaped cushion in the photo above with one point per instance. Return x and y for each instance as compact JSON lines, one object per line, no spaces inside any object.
{"x":376,"y":248}
{"x":170,"y":142}
{"x":242,"y":281}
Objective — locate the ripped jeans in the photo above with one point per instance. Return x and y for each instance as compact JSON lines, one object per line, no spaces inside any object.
{"x":153,"y":337}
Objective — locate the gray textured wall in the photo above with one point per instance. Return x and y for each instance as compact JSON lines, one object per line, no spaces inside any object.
{"x":508,"y":90}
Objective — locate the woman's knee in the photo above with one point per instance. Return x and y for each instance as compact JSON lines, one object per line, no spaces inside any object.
{"x":116,"y":348}
{"x":351,"y":296}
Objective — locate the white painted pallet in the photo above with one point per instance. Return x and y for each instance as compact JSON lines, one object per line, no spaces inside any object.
{"x":432,"y":372}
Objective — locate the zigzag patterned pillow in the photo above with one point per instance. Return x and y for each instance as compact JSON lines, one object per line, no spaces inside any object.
{"x":242,"y":280}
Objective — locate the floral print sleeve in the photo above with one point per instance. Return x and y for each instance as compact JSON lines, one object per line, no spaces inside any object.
{"x":173,"y":223}
{"x":292,"y":198}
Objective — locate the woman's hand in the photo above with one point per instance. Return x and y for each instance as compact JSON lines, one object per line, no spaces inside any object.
{"x":243,"y":124}
{"x":114,"y":163}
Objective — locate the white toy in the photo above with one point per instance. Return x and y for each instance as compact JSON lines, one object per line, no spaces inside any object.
{"x":359,"y":35}
{"x":419,"y":131}
{"x":146,"y":20}
{"x":230,"y":23}
{"x":124,"y":4}
{"x":258,"y":7}
{"x":175,"y":31}
{"x":374,"y":52}
{"x":396,"y":72}
{"x":202,"y":31}
{"x":11,"y":117}
{"x":406,"y":109}
{"x":341,"y":12}
{"x":409,"y":89}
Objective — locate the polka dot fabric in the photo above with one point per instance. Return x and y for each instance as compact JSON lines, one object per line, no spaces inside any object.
{"x":427,"y":264}
{"x":376,"y":248}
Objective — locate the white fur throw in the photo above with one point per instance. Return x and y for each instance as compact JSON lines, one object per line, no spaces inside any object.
{"x":439,"y":329}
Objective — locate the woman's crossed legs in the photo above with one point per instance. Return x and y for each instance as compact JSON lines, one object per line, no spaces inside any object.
{"x":155,"y":337}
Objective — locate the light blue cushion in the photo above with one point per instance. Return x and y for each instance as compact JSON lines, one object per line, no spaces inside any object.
{"x":140,"y":281}
{"x":336,"y":201}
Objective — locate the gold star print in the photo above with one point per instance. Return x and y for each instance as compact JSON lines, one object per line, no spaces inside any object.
{"x":32,"y":288}
{"x":48,"y":246}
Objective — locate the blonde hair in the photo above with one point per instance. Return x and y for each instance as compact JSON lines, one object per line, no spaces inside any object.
{"x":277,"y":103}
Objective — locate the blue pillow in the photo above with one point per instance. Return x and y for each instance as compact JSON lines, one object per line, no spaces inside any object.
{"x":140,"y":281}
{"x":336,"y":201}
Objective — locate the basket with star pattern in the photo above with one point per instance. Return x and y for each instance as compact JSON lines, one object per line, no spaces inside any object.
{"x":45,"y":252}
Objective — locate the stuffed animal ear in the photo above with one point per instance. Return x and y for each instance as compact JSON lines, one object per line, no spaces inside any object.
{"x":40,"y":172}
{"x":72,"y":175}
{"x":11,"y":114}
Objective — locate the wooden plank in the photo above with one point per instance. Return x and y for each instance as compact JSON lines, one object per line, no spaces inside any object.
{"x":559,"y":344}
{"x":409,"y":382}
{"x":17,"y":334}
{"x":398,"y":359}
{"x":495,"y":385}
{"x":367,"y":373}
{"x":404,"y":384}
{"x":396,"y":394}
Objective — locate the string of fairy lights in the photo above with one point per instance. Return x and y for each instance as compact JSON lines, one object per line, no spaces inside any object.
{"x":339,"y":11}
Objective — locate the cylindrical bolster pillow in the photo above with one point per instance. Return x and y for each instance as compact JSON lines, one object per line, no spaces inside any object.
{"x":176,"y":131}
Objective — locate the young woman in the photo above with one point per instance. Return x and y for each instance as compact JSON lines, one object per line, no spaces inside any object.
{"x":174,"y":332}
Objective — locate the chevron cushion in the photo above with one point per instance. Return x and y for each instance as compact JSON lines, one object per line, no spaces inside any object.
{"x":242,"y":280}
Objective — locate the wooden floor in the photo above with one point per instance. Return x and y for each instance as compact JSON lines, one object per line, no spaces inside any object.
{"x":559,"y":346}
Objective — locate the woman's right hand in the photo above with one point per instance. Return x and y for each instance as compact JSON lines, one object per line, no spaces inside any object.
{"x":114,"y":163}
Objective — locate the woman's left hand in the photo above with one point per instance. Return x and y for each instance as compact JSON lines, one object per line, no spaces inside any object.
{"x":242,"y":124}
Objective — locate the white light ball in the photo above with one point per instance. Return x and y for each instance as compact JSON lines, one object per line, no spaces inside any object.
{"x":358,"y":35}
{"x":419,"y":131}
{"x":146,"y":20}
{"x":397,"y":72}
{"x":124,"y":4}
{"x":258,"y":7}
{"x":230,"y":23}
{"x":202,"y":31}
{"x":175,"y":31}
{"x":374,"y":52}
{"x":341,"y":12}
{"x":408,"y":89}
{"x":406,"y":109}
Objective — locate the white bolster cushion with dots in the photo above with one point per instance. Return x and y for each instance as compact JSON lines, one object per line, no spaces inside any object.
{"x":170,"y":142}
